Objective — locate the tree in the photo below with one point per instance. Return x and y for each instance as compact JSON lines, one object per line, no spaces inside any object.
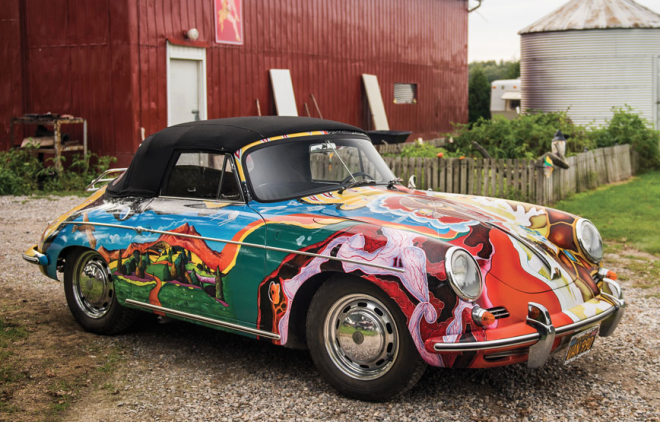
{"x":120,"y":265}
{"x":142,"y":266}
{"x":497,"y":70}
{"x":478,"y":96}
{"x":219,"y":293}
{"x":193,"y":279}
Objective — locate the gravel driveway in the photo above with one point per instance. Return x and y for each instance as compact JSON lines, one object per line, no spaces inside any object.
{"x":179,"y":371}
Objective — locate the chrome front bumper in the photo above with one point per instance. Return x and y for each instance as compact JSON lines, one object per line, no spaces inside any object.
{"x":34,"y":257}
{"x":540,"y":343}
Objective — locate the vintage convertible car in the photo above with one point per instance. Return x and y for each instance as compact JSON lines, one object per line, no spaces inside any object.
{"x":295,"y":231}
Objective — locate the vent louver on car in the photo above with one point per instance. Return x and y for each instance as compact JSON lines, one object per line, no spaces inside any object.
{"x":499,"y":312}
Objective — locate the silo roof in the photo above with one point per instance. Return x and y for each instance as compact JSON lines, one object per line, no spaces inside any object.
{"x":596,"y":14}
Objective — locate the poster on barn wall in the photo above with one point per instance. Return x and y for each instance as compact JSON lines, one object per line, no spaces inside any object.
{"x":229,"y":21}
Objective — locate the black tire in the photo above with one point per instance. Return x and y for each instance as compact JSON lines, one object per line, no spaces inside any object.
{"x":89,"y":292}
{"x":360,"y":311}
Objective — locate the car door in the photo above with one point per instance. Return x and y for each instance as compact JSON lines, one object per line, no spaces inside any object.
{"x":195,"y":258}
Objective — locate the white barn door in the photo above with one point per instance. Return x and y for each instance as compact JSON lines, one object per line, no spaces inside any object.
{"x":186,"y":84}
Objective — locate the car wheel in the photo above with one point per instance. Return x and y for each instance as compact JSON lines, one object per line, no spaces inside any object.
{"x":90,"y":294}
{"x":359,"y":341}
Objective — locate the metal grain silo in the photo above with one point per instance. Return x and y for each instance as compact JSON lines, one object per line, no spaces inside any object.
{"x":592,"y":55}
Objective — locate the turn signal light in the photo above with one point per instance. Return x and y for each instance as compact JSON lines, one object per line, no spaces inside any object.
{"x":611,"y":275}
{"x":482,"y":317}
{"x":534,"y":313}
{"x":487,"y":319}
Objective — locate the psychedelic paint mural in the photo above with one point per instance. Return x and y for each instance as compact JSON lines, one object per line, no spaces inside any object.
{"x":407,"y":230}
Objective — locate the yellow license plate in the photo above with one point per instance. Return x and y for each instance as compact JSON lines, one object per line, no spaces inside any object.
{"x":581,"y":344}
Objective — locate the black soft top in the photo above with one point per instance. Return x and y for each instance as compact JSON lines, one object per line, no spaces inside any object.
{"x":152,"y":158}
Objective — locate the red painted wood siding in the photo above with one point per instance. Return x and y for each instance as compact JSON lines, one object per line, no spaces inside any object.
{"x":106,"y":61}
{"x":327,"y":46}
{"x":78,"y":61}
{"x":11,"y":69}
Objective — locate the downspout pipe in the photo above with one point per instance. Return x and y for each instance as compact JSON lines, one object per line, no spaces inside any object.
{"x":475,"y":7}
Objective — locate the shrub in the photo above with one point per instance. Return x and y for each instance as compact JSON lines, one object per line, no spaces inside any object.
{"x":423,"y":150}
{"x":21,"y":173}
{"x":627,"y":127}
{"x":530,"y":136}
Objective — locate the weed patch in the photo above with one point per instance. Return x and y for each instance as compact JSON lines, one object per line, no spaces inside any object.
{"x":21,"y":172}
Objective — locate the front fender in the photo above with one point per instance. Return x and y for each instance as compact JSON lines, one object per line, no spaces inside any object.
{"x":407,"y":266}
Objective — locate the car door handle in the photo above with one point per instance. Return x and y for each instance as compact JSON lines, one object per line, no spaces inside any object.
{"x":191,"y":190}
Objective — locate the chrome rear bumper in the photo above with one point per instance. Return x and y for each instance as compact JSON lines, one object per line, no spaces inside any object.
{"x":540,"y":343}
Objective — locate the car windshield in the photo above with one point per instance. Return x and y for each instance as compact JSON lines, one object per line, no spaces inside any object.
{"x":290,"y":169}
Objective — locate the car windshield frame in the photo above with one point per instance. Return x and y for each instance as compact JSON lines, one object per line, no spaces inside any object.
{"x":357,"y":140}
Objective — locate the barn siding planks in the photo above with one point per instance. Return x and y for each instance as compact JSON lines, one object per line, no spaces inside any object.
{"x":106,"y":61}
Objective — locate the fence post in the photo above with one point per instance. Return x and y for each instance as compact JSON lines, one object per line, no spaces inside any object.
{"x":443,"y":175}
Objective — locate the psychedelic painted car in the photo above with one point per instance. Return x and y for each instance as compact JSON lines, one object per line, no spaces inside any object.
{"x":294,"y":231}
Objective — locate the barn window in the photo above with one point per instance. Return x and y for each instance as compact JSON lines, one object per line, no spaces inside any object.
{"x":405,"y":93}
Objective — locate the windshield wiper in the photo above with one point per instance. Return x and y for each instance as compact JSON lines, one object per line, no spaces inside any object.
{"x":392,"y":183}
{"x":356,"y":183}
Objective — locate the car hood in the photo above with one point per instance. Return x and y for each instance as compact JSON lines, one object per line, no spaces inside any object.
{"x":481,"y":225}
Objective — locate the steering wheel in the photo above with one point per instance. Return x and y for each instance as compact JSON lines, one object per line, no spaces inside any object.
{"x":353,"y":175}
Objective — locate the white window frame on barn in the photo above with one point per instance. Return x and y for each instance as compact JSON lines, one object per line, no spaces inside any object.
{"x":405,"y":93}
{"x":179,"y":52}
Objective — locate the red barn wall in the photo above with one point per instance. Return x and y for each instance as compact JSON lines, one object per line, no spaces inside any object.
{"x":327,"y":46}
{"x":77,"y":60}
{"x":11,"y":69}
{"x":106,"y":61}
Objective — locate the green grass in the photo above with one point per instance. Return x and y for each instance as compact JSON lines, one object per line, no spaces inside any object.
{"x":626,"y":213}
{"x":111,"y":362}
{"x":10,"y":332}
{"x":63,"y":394}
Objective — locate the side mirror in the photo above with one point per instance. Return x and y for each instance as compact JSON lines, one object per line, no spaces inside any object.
{"x":411,"y":183}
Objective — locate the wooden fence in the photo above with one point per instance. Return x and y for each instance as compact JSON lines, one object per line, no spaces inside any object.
{"x":521,"y":180}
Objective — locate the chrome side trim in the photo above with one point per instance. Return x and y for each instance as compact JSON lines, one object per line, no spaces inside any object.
{"x":250,"y":245}
{"x":205,"y":320}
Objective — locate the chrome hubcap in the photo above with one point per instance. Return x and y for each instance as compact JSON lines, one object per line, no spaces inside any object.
{"x":361,"y":337}
{"x":92,"y":286}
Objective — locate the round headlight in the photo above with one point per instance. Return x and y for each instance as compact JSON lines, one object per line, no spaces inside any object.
{"x":463,"y":273}
{"x":590,"y":240}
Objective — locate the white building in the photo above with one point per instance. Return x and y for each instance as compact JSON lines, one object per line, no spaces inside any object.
{"x":505,"y":98}
{"x":590,"y":56}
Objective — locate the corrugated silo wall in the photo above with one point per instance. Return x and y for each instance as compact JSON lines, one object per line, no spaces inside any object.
{"x":591,"y":71}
